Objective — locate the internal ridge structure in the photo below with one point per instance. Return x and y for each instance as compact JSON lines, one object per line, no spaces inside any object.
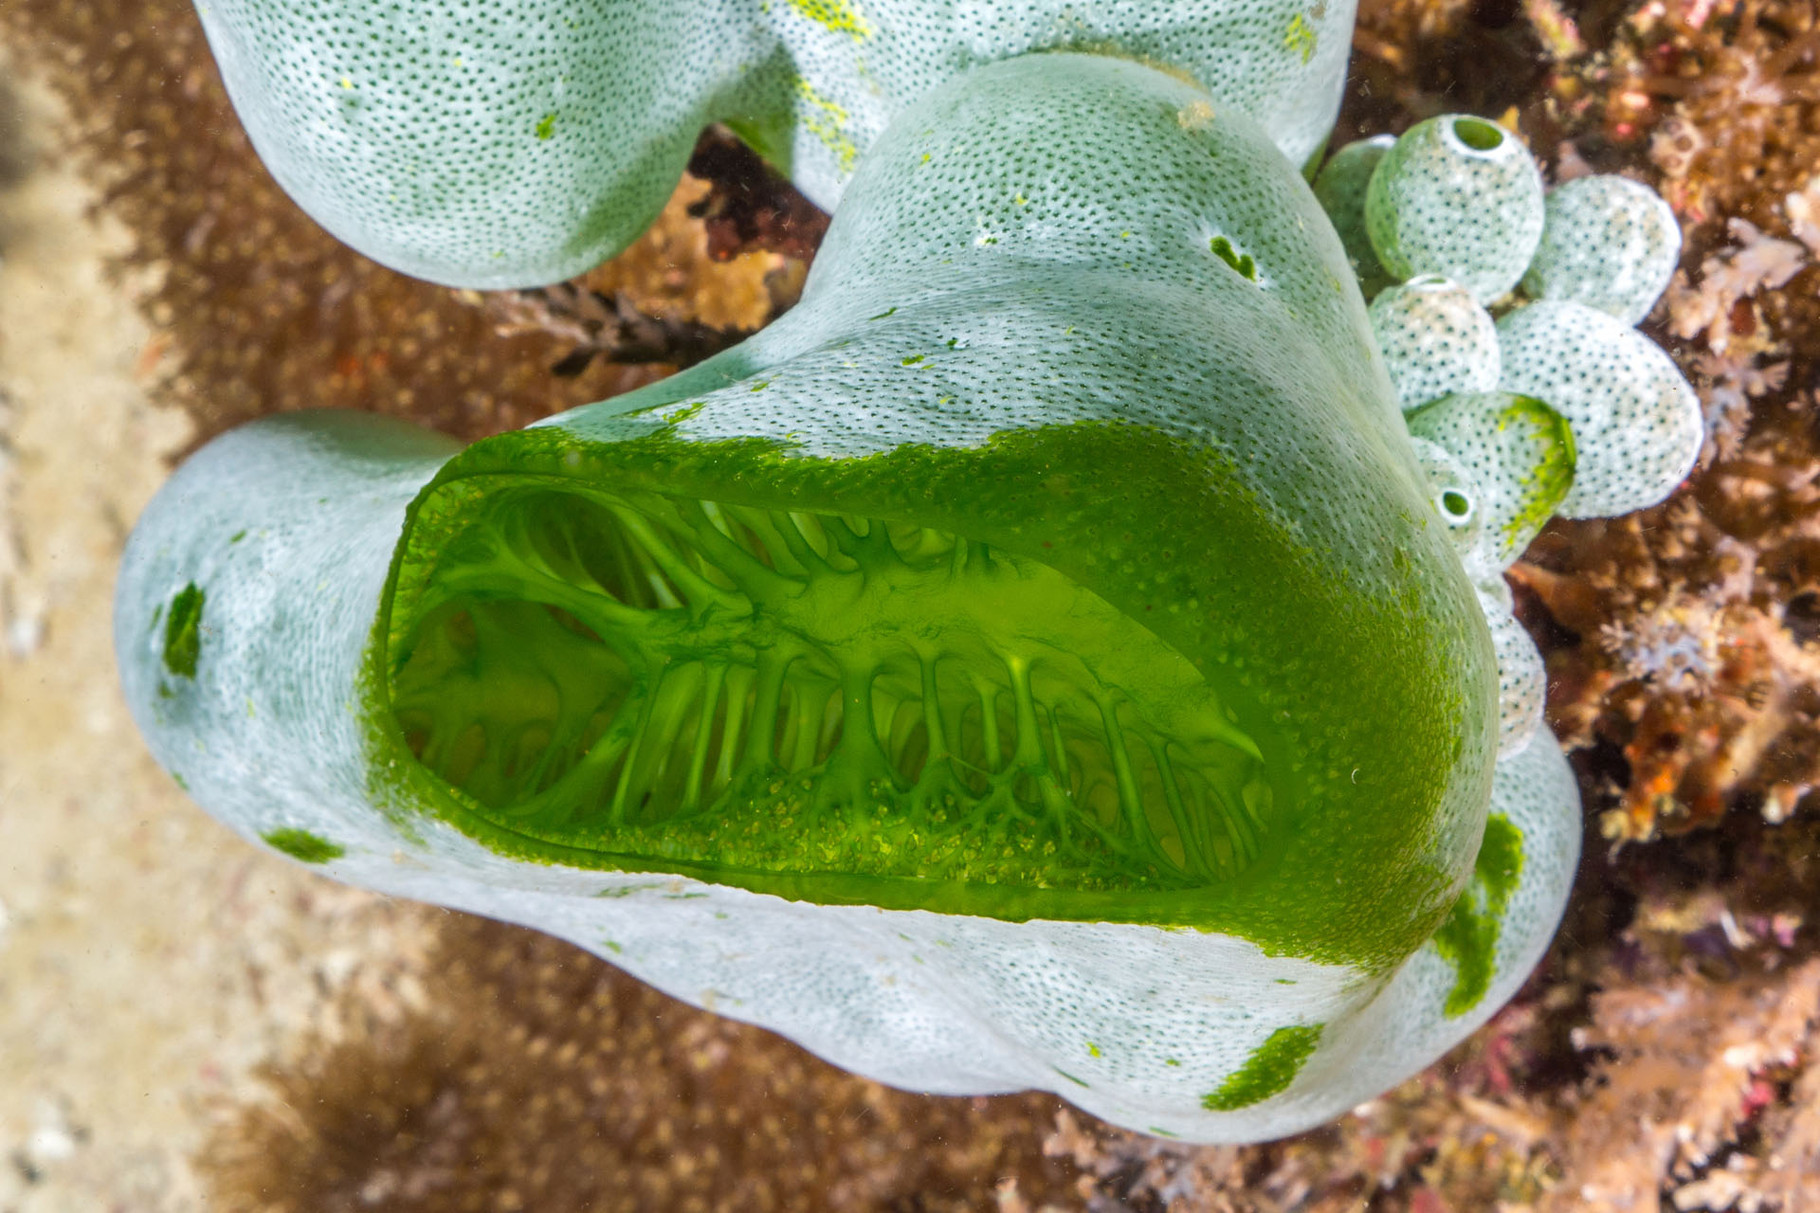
{"x":781,"y":691}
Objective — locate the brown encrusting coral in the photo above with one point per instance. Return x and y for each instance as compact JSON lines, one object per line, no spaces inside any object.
{"x":1666,"y":1055}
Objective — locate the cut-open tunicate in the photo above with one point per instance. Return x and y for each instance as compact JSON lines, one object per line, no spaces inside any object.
{"x":1636,"y":421}
{"x":1609,"y":243}
{"x":1051,"y":601}
{"x":1436,"y":340}
{"x":1460,"y":197}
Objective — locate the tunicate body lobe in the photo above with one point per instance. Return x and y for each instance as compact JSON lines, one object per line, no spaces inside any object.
{"x":522,"y":142}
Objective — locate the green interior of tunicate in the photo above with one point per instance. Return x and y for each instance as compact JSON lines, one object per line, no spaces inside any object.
{"x":1478,"y":134}
{"x":1075,"y":672}
{"x":785,"y":690}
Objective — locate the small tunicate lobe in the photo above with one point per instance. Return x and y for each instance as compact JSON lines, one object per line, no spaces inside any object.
{"x":1436,"y":340}
{"x":1636,"y":422}
{"x":1340,"y":189}
{"x":1452,"y":493}
{"x":1519,"y":454}
{"x":1522,"y":681}
{"x":1441,"y":172}
{"x":1609,"y":243}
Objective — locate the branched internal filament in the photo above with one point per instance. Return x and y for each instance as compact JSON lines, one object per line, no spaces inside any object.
{"x":774,"y":690}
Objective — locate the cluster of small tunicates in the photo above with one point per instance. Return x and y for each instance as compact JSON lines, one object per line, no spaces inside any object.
{"x":1505,"y":317}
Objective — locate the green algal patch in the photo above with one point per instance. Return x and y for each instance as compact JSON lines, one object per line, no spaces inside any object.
{"x":1269,"y":1070}
{"x":827,"y":121}
{"x":835,"y":16}
{"x":1547,"y":486}
{"x":183,"y":631}
{"x":1468,"y":940}
{"x":303,"y":845}
{"x":546,"y":126}
{"x":1241,"y":262}
{"x":1300,"y":38}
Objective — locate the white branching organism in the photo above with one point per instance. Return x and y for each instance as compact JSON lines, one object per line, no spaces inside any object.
{"x":1047,"y":657}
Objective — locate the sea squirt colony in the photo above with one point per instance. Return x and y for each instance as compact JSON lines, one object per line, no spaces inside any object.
{"x":1068,"y":650}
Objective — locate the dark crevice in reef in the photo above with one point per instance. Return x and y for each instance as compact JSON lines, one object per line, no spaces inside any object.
{"x":752,"y":205}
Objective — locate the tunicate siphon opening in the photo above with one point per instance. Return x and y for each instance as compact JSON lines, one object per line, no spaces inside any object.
{"x":1478,"y":134}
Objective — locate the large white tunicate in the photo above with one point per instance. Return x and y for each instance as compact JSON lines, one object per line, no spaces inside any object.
{"x":520,"y":142}
{"x":1020,"y":256}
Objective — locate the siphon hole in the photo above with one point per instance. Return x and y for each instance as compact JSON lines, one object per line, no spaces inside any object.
{"x":1456,"y":505}
{"x":1478,"y":134}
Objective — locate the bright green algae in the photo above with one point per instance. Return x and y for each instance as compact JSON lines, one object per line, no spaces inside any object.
{"x":1468,"y":940}
{"x":303,"y":846}
{"x":183,"y":632}
{"x":1271,"y":1067}
{"x":1166,"y":570}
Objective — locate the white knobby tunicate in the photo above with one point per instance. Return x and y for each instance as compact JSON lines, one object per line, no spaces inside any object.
{"x":1637,"y":424}
{"x":1436,"y":340}
{"x":1340,"y":188}
{"x":1460,"y":197}
{"x":1522,"y":680}
{"x":1610,"y":243}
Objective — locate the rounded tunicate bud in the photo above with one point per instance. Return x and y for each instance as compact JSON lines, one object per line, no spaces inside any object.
{"x":1519,"y":455}
{"x":1340,"y":189}
{"x":1436,"y":340}
{"x":1637,"y":424}
{"x":1457,"y":196}
{"x":1522,"y":678}
{"x":1610,"y":243}
{"x":1452,"y":493}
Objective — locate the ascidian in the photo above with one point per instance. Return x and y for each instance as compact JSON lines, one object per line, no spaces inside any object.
{"x":1069,"y":650}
